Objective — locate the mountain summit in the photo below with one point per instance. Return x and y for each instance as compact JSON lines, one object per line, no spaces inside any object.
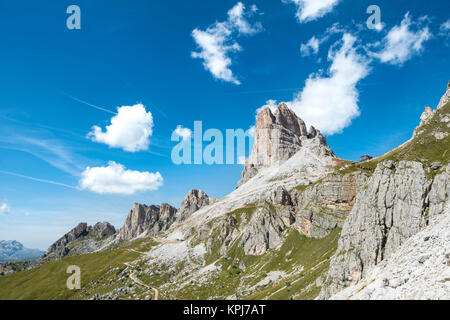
{"x":278,"y":137}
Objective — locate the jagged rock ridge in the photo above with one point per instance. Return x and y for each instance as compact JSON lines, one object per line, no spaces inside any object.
{"x":94,"y":234}
{"x":148,"y":220}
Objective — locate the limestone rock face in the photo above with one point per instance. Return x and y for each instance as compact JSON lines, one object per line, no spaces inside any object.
{"x":194,"y":200}
{"x":277,"y":138}
{"x":281,"y":196}
{"x":396,"y":204}
{"x":147,"y":219}
{"x":325,"y":205}
{"x":263,"y":232}
{"x":419,"y":269}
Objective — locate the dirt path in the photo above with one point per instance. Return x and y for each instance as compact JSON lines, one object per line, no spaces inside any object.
{"x":139,"y":282}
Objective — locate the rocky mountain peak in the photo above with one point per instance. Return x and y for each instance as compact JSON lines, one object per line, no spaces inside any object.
{"x":429,"y":113}
{"x":194,"y":200}
{"x":286,"y":118}
{"x":278,"y":137}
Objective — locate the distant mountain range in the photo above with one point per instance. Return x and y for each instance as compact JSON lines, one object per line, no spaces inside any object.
{"x":12,"y":250}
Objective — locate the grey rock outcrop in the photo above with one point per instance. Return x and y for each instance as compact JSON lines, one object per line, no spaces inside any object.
{"x":326,"y":204}
{"x":264,"y":232}
{"x":194,"y":200}
{"x":280,"y":196}
{"x":419,"y":269}
{"x":147,"y":219}
{"x":396,"y":204}
{"x":103,"y":229}
{"x":278,"y":137}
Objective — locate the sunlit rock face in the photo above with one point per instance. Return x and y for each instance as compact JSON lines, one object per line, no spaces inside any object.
{"x":278,"y":137}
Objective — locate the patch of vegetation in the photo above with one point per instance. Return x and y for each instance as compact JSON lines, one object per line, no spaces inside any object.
{"x":302,"y":188}
{"x":243,"y":213}
{"x":424,"y":148}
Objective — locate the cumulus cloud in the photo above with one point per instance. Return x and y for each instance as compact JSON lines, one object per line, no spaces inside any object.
{"x":183,"y":133}
{"x":4,"y":208}
{"x":116,"y":179}
{"x":403,"y":41}
{"x":129,"y":130}
{"x":309,"y":10}
{"x":217,"y":42}
{"x":330,"y":102}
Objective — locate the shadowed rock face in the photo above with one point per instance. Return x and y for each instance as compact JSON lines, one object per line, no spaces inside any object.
{"x":278,"y":137}
{"x":103,"y":229}
{"x":149,"y":219}
{"x":194,"y":200}
{"x":60,"y":248}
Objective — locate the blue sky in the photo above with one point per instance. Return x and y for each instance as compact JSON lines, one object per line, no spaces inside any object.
{"x":140,"y":52}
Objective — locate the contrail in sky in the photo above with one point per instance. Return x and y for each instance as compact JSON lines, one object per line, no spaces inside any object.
{"x":89,"y":104}
{"x":37,"y":179}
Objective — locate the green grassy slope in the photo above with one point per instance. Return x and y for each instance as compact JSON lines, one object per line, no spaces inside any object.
{"x":424,"y":148}
{"x":48,"y":281}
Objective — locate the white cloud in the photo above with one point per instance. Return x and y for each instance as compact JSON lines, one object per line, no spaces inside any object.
{"x":251,"y":131}
{"x":4,"y":208}
{"x":311,"y":47}
{"x":130,"y":129}
{"x":330,"y":103}
{"x":271,"y":104}
{"x":217,"y":42}
{"x":309,"y":10}
{"x":184,"y":133}
{"x":379,"y":26}
{"x":403,"y":41}
{"x":116,"y":179}
{"x":445,"y":28}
